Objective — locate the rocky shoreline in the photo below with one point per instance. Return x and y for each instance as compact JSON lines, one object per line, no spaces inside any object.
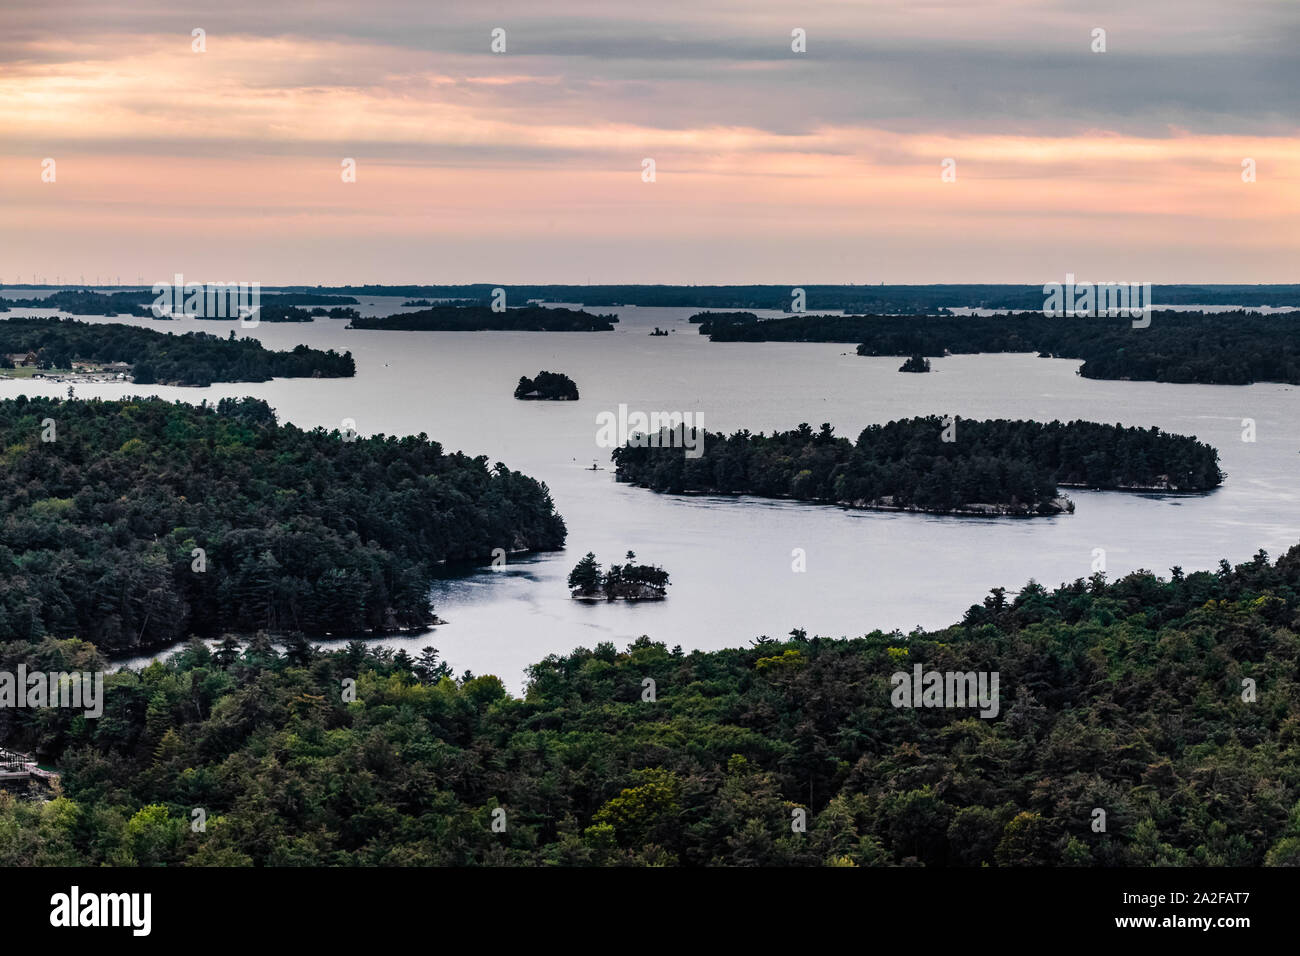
{"x":1058,"y":505}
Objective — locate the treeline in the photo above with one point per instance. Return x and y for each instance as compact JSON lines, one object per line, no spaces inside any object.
{"x":481,"y":318}
{"x":194,"y":358}
{"x":139,"y":303}
{"x":1172,"y":705}
{"x":862,"y":299}
{"x":308,"y":531}
{"x":1000,"y":467}
{"x":277,"y":311}
{"x":1225,"y":348}
{"x":308,"y":298}
{"x":884,"y":299}
{"x":84,"y":302}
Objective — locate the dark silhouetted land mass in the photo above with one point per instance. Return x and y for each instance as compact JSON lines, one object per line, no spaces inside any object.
{"x":547,"y":386}
{"x":482,"y":318}
{"x":990,"y":467}
{"x":194,"y":358}
{"x":139,"y":303}
{"x":1224,"y":348}
{"x":81,"y":302}
{"x":883,"y":299}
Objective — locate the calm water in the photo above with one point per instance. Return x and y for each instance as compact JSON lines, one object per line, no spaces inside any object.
{"x":730,"y":559}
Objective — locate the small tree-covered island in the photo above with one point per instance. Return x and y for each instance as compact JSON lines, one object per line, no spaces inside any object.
{"x":627,"y":582}
{"x":932,"y":464}
{"x":134,"y":524}
{"x":547,"y":386}
{"x":917,"y":363}
{"x":161,"y":358}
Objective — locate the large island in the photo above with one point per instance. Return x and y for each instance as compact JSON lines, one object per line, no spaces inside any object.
{"x":152,"y":357}
{"x":137,"y":523}
{"x":483,"y":318}
{"x":1219,"y":348}
{"x":945,"y":466}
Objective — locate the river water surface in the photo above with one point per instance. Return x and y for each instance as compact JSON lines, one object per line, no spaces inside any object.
{"x":731,"y":558}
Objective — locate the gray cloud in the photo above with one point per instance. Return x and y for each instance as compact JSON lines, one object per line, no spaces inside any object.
{"x":1012,"y":67}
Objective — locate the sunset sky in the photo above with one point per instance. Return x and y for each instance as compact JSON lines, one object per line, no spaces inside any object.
{"x":772,"y":166}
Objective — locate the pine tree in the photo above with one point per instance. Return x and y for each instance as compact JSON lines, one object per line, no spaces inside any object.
{"x":586,"y":576}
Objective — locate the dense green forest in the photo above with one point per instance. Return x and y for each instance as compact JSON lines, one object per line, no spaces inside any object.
{"x":547,"y":386}
{"x":1126,"y":697}
{"x":194,"y":358}
{"x":1224,"y":348}
{"x":309,"y":531}
{"x":480,"y":318}
{"x":989,"y":466}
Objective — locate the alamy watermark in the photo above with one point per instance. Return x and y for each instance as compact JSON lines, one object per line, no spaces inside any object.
{"x":79,"y":691}
{"x":654,"y":430}
{"x":208,"y":300}
{"x":75,"y":909}
{"x":923,"y":688}
{"x":1094,"y":299}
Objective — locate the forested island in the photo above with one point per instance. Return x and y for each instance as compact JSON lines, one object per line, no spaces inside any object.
{"x":309,"y":298}
{"x":1223,"y":348}
{"x":708,"y":321}
{"x":274,"y":311}
{"x":995,"y":467}
{"x":1129,"y":696}
{"x":85,"y":302}
{"x":310,"y":531}
{"x":482,"y":318}
{"x":194,"y":358}
{"x":627,"y":581}
{"x":917,"y":363}
{"x":547,"y":386}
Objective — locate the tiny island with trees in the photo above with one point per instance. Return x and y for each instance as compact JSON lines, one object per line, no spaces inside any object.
{"x":931,"y":464}
{"x":917,"y":363}
{"x":628,"y":581}
{"x":548,"y":387}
